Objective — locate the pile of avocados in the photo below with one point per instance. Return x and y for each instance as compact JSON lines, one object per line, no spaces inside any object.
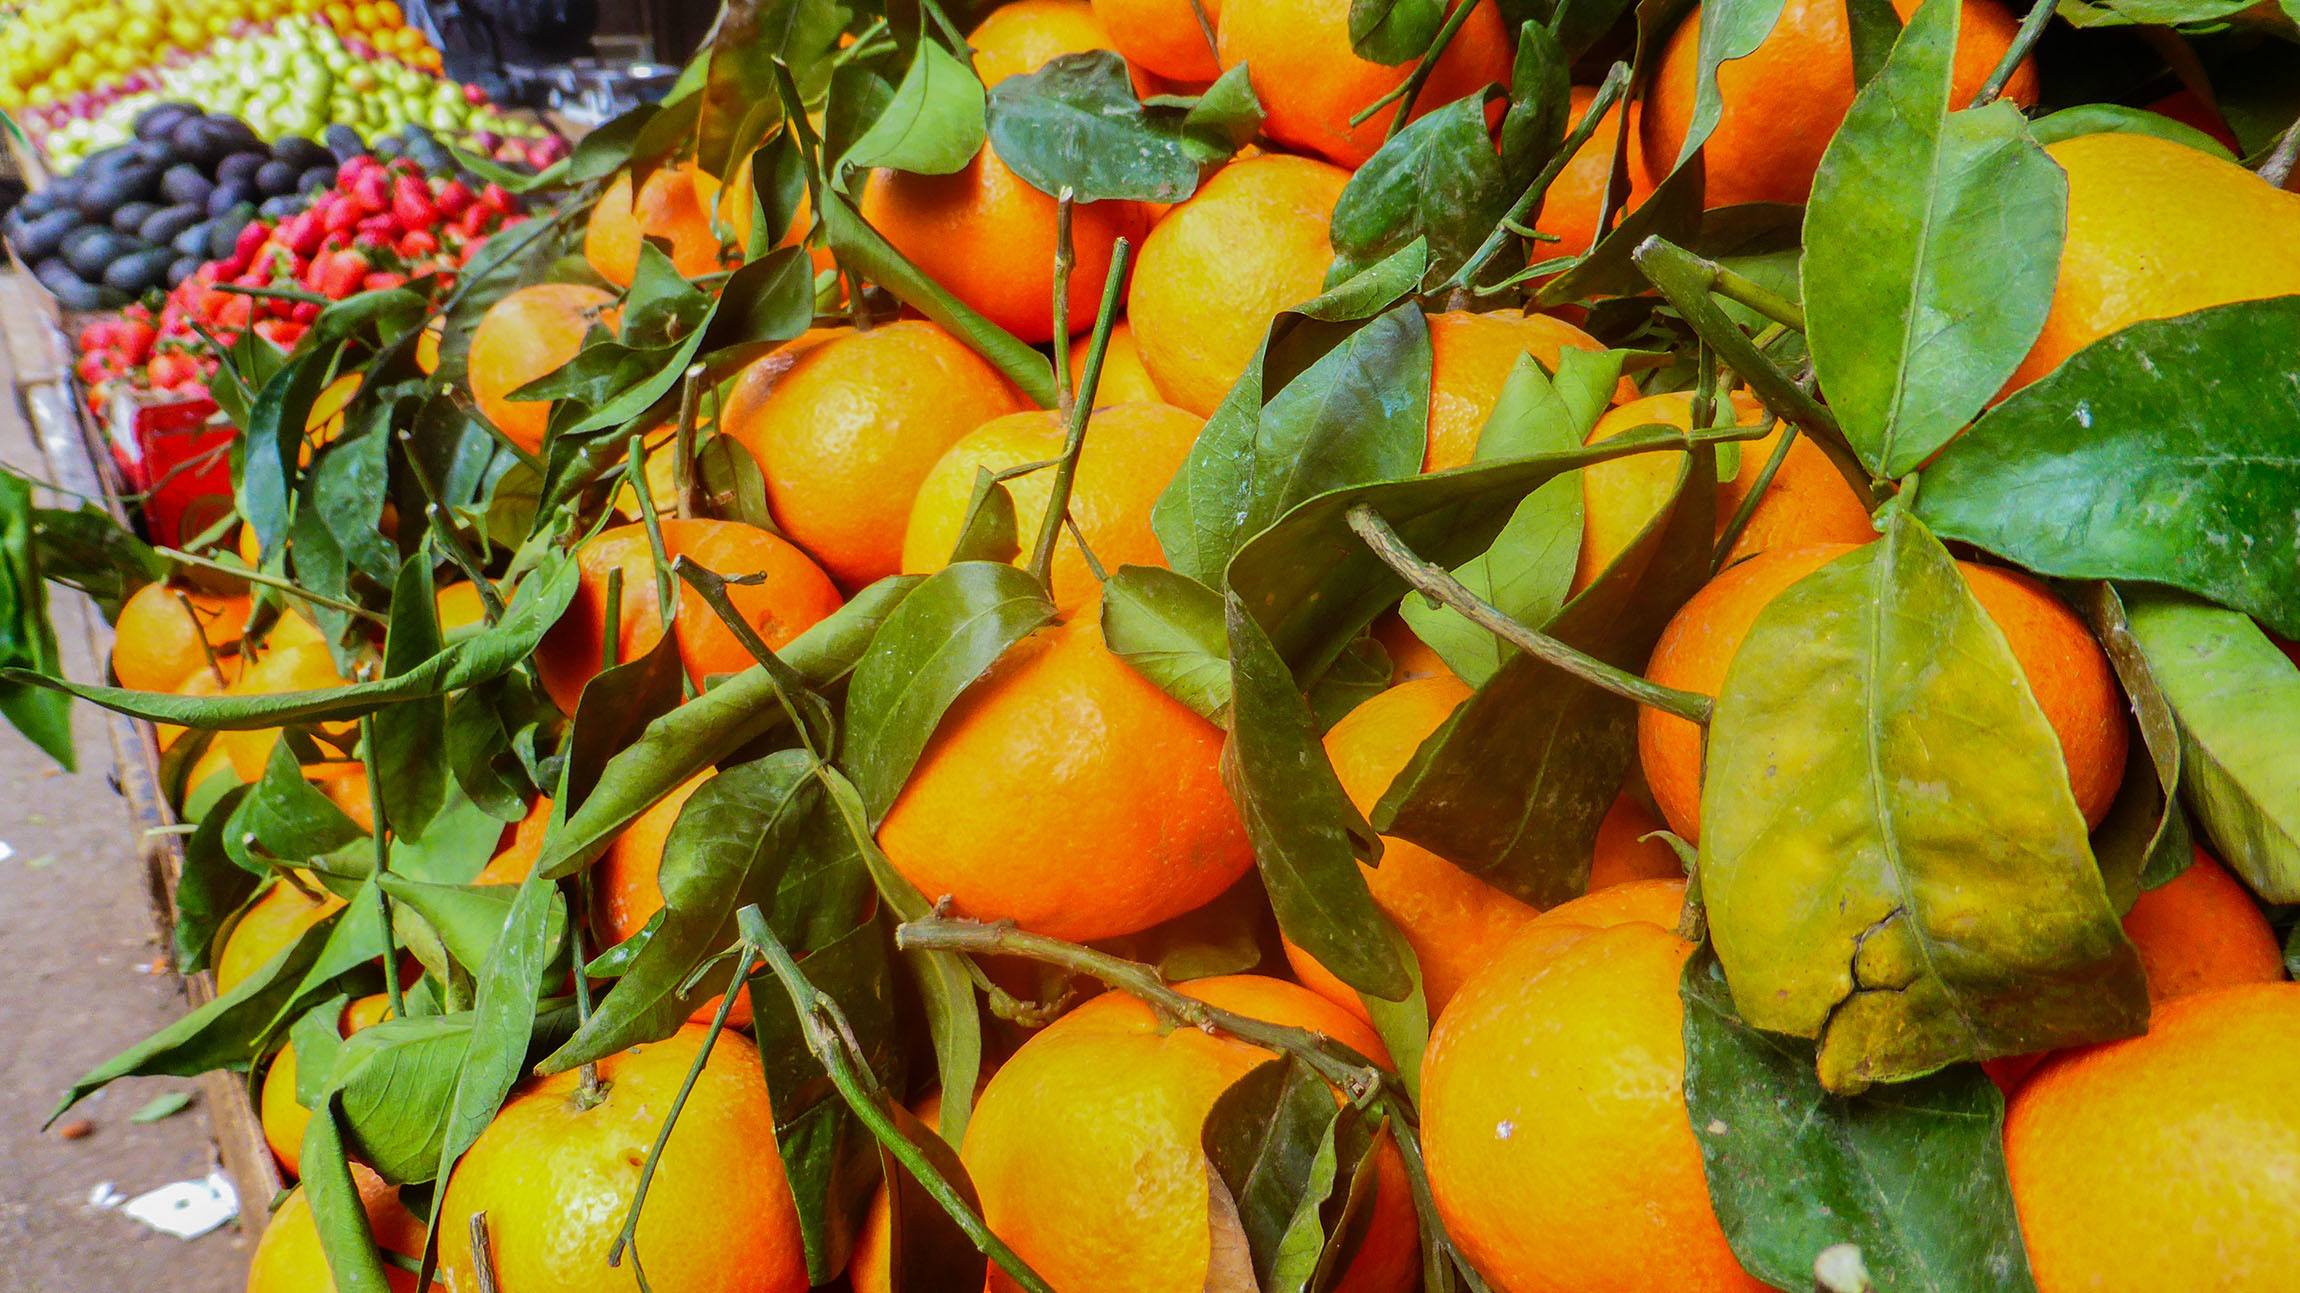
{"x":145,"y":214}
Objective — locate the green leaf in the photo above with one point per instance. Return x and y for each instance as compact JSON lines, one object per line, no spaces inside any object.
{"x":503,"y":1021}
{"x":2106,"y":118}
{"x":393,"y":1081}
{"x":1874,"y":27}
{"x":2236,"y":697}
{"x":617,"y":704}
{"x":1730,"y":29}
{"x":988,"y":531}
{"x":292,"y":818}
{"x":267,"y":471}
{"x":1306,"y":834}
{"x":1357,"y":675}
{"x":714,"y":725}
{"x":739,"y":80}
{"x":1168,"y":628}
{"x":2144,"y":840}
{"x":1278,"y":1141}
{"x":926,"y":1250}
{"x":161,"y":1107}
{"x":2168,"y":452}
{"x":765,"y":303}
{"x":1914,"y":1175}
{"x":1075,"y":123}
{"x":932,"y":647}
{"x":1391,"y":32}
{"x":336,"y":1211}
{"x":316,"y":1035}
{"x":1357,"y":412}
{"x":209,"y":886}
{"x":1222,"y":120}
{"x":85,"y":548}
{"x":408,"y":738}
{"x":1528,"y":571}
{"x":488,"y":654}
{"x":347,"y":486}
{"x":1438,"y":180}
{"x":1932,"y":246}
{"x":27,"y":637}
{"x":932,"y":126}
{"x":757,"y":833}
{"x":1846,"y":905}
{"x":467,"y":919}
{"x":660,"y":304}
{"x":1540,"y":102}
{"x":2154,"y":13}
{"x":1513,"y":785}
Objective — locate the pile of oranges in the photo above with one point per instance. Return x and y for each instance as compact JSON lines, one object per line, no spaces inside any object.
{"x":1534,"y":1128}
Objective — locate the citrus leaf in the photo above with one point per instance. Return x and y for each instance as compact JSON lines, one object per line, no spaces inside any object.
{"x":932,"y":647}
{"x":467,"y":919}
{"x":1438,"y":180}
{"x":1075,"y":123}
{"x":209,"y":886}
{"x":1913,"y":1174}
{"x":2168,"y":452}
{"x":161,"y":1107}
{"x":1168,"y":628}
{"x":2154,"y":13}
{"x":289,"y":816}
{"x":344,"y":1237}
{"x":503,"y":1021}
{"x":1391,"y":32}
{"x":932,"y":126}
{"x":1730,"y":30}
{"x":927,"y":1252}
{"x":2144,"y":840}
{"x":392,"y":1082}
{"x":267,"y":474}
{"x":1540,"y":105}
{"x":1932,"y":244}
{"x":410,"y":775}
{"x":2236,"y":697}
{"x":1279,"y":1141}
{"x":2104,"y":118}
{"x":987,"y":532}
{"x":1892,"y":859}
{"x":617,"y":704}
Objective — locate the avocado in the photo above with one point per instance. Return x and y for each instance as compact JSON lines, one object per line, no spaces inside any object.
{"x":275,"y":177}
{"x":92,"y":251}
{"x":226,"y":196}
{"x":43,"y":236}
{"x":37,"y":203}
{"x":192,"y":239}
{"x":225,"y":230}
{"x":104,"y":195}
{"x":184,"y":183}
{"x":74,"y":293}
{"x":159,"y":120}
{"x":167,"y":222}
{"x":343,"y":141}
{"x":130,"y":218}
{"x":281,"y":207}
{"x":240,"y":168}
{"x":300,"y":152}
{"x":181,"y":268}
{"x":316,"y":179}
{"x":140,"y":271}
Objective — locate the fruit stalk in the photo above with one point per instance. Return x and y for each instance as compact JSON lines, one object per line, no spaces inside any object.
{"x":683,"y":449}
{"x":1410,"y":89}
{"x":375,"y":814}
{"x":1080,"y":410}
{"x":1616,"y":83}
{"x":183,"y":558}
{"x":1438,"y":584}
{"x":2031,"y":28}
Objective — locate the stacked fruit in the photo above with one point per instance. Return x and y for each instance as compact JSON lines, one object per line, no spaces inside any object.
{"x":382,"y":225}
{"x":294,"y":77}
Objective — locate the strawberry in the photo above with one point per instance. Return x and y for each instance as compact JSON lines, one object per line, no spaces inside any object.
{"x":338,"y":274}
{"x":411,"y":203}
{"x":416,"y":244}
{"x":304,"y":311}
{"x":372,"y":192}
{"x":454,"y":198}
{"x":499,"y":199}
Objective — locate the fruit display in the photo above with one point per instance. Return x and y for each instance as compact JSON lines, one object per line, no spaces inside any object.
{"x":1152,"y":647}
{"x":296,"y":76}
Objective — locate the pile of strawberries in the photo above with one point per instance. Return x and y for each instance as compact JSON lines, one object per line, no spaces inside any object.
{"x":385,"y":224}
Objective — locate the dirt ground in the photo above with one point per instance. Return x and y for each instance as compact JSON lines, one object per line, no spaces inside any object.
{"x":77,"y":983}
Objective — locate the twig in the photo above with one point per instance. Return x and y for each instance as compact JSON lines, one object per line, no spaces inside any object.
{"x":1081,"y":410}
{"x":712,"y":587}
{"x":1749,"y":501}
{"x":382,"y":866}
{"x":1206,"y":29}
{"x":635,"y":472}
{"x":1764,"y":300}
{"x":2024,"y":40}
{"x":1065,"y":259}
{"x":2278,"y":167}
{"x":281,"y":583}
{"x":1616,"y":83}
{"x":200,"y":635}
{"x":1407,"y":91}
{"x":683,"y":448}
{"x":482,"y":1254}
{"x":1439,"y":585}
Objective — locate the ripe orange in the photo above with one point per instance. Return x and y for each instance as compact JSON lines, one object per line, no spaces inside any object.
{"x":1131,"y":452}
{"x":1623,"y":855}
{"x":2169,"y":1160}
{"x":2150,"y":230}
{"x":1570,"y":208}
{"x":793,"y":597}
{"x":156,"y":642}
{"x":2202,"y":931}
{"x":1066,"y":792}
{"x":1783,"y":102}
{"x":303,"y":666}
{"x":520,"y":846}
{"x":1086,"y":1149}
{"x":268,"y":927}
{"x":1311,"y":82}
{"x":284,"y":1120}
{"x":1808,"y":500}
{"x":989,"y":237}
{"x":2065,"y":668}
{"x":1022,"y":36}
{"x":1553,"y":1108}
{"x":1453,"y":920}
{"x":555,"y":1180}
{"x":847,"y":433}
{"x":1124,"y":380}
{"x":1250,"y":242}
{"x":869,"y":1268}
{"x":1471,"y":356}
{"x":675,"y":204}
{"x":524,"y":336}
{"x":459,"y":607}
{"x":1164,"y":36}
{"x":289,"y":1258}
{"x":627,"y":888}
{"x":202,"y":681}
{"x":344,"y":782}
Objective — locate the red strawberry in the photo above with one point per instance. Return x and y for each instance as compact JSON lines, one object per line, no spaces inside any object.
{"x":372,"y":192}
{"x":411,"y":203}
{"x":416,"y":244}
{"x":304,"y":311}
{"x":339,"y":273}
{"x":453,"y":198}
{"x":499,"y":198}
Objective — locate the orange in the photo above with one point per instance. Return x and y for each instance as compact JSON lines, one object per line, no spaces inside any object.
{"x":202,"y":681}
{"x":989,"y":237}
{"x":344,"y":782}
{"x":1570,"y":208}
{"x":284,"y":1120}
{"x":2200,"y":931}
{"x":304,"y":666}
{"x":1085,"y":1146}
{"x":1783,"y":102}
{"x":846,"y":435}
{"x":1131,"y":452}
{"x":1020,"y":37}
{"x":1218,"y":268}
{"x":2065,"y":669}
{"x":268,"y":927}
{"x":1553,"y":1108}
{"x":627,"y":888}
{"x":1164,"y":36}
{"x":1622,"y":854}
{"x":1453,"y":920}
{"x":1124,"y":380}
{"x":2169,"y":1160}
{"x":2157,"y":229}
{"x":458,"y":606}
{"x":289,"y":1258}
{"x":1808,"y":500}
{"x":527,"y":335}
{"x":1311,"y":82}
{"x":156,"y":641}
{"x":1471,"y":356}
{"x":1410,"y":657}
{"x":520,"y":847}
{"x":793,"y":597}
{"x":1066,"y":792}
{"x":555,"y":1180}
{"x":674,"y":204}
{"x":427,"y":346}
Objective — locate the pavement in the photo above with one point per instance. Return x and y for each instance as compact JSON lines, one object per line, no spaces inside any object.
{"x":82,"y":975}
